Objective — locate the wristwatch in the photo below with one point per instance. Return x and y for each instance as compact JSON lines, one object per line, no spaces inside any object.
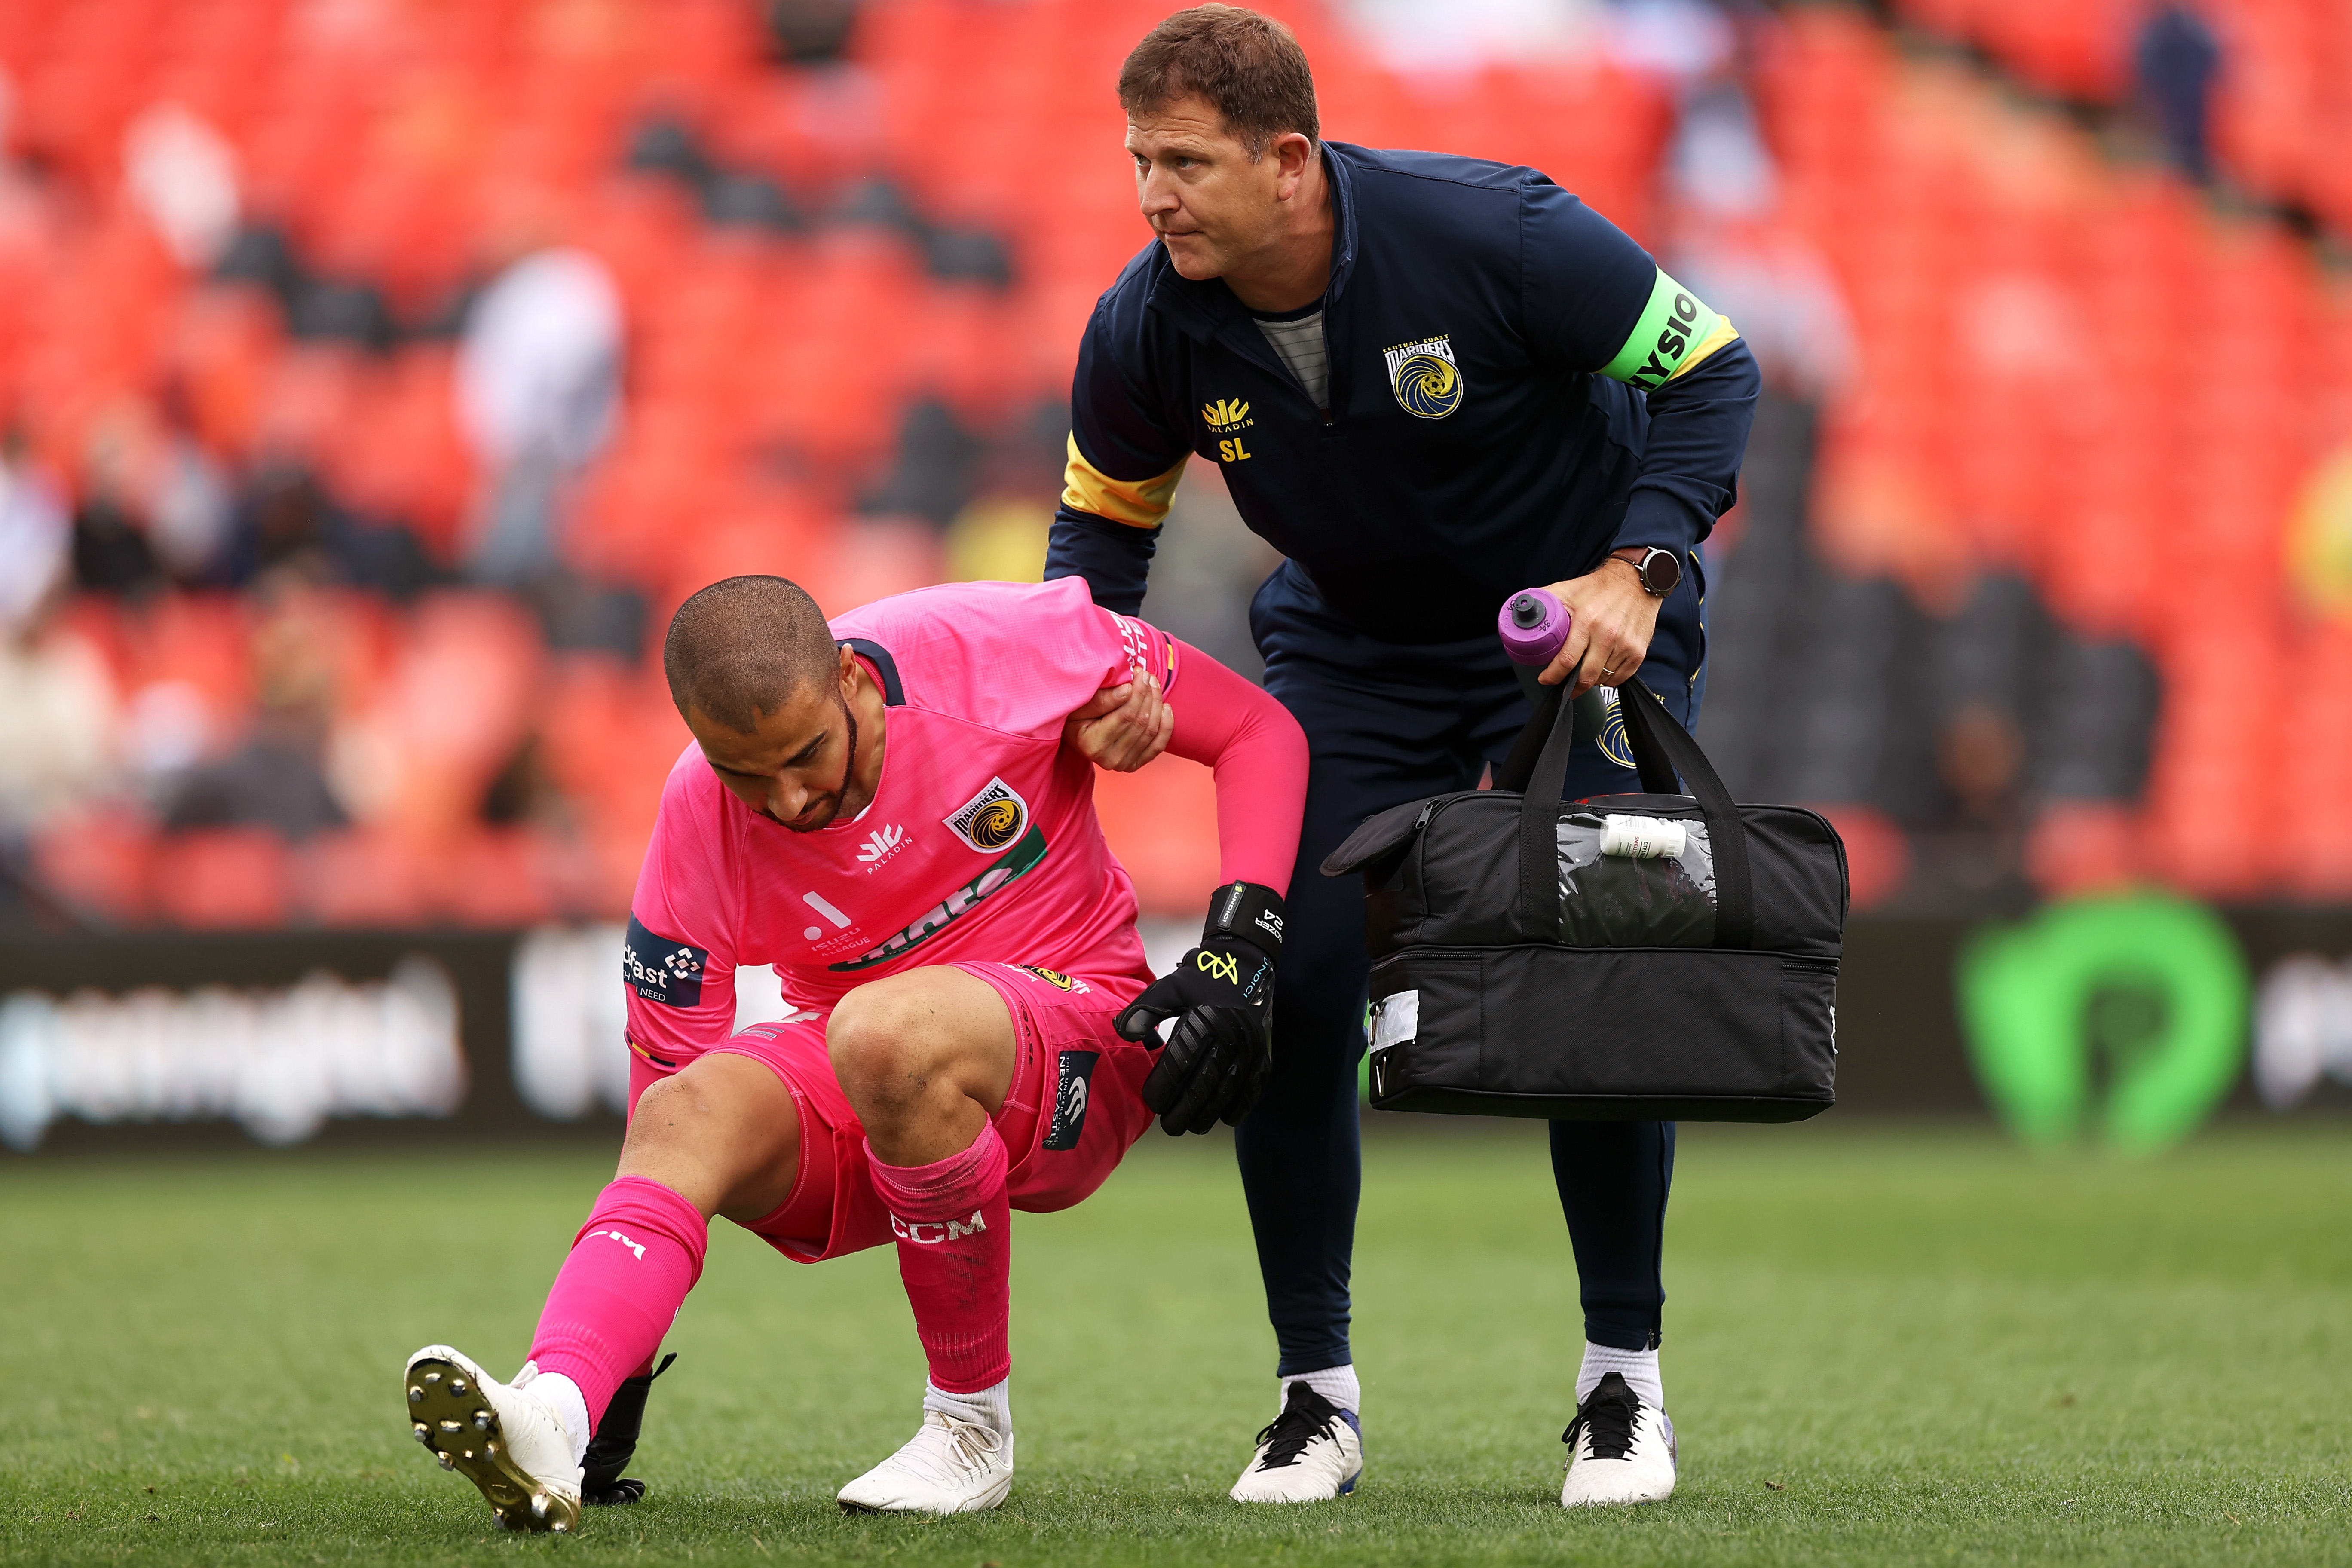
{"x":1660,"y":571}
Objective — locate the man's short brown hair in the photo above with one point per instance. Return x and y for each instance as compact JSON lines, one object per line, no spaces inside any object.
{"x":1249,"y":67}
{"x":742,"y":648}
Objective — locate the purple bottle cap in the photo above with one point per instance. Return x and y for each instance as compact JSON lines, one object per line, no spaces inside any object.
{"x":1534,"y":626}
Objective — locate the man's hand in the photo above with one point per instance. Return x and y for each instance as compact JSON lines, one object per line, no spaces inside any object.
{"x":1122,"y":727}
{"x":1613,"y":617}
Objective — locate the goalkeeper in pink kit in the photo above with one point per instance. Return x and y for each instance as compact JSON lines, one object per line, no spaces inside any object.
{"x":895,"y":810}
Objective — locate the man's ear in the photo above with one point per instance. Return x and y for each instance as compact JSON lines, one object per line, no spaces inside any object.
{"x":1291,"y":152}
{"x":848,"y":672}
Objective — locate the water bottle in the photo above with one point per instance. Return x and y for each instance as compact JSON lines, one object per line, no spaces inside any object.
{"x":1533,"y":624}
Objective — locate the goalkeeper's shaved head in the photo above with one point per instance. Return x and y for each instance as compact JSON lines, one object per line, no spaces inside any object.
{"x":744,"y":646}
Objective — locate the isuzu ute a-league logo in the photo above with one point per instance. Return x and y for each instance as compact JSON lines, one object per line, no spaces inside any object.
{"x":990,"y":819}
{"x":1427,"y":384}
{"x":1070,"y":1099}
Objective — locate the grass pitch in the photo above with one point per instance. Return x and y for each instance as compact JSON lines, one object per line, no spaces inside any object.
{"x":1884,"y":1344}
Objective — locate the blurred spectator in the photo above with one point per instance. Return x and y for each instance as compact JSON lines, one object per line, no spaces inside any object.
{"x":57,"y":699}
{"x":1418,"y":38}
{"x":809,"y":32}
{"x":538,"y":396}
{"x":274,"y":779}
{"x":2319,"y":537}
{"x":184,"y":177}
{"x":1731,"y":243}
{"x":937,"y":457}
{"x":1682,"y":41}
{"x":191,"y":508}
{"x":285,"y":521}
{"x":2179,"y":60}
{"x":111,"y":550}
{"x":998,"y":541}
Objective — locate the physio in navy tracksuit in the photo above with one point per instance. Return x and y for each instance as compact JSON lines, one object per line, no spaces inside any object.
{"x":1428,"y":381}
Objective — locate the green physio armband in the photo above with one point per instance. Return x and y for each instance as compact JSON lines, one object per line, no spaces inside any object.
{"x":1675,"y":327}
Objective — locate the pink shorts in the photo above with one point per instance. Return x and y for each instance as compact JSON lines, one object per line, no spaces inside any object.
{"x":1074,"y":1108}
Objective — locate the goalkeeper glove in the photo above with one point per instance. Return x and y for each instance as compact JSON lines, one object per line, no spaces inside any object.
{"x":1218,"y":1056}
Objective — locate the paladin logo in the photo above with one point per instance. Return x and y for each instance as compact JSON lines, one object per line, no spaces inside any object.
{"x":1225,"y":416}
{"x":1424,"y":378}
{"x":879,"y":846}
{"x":990,"y":819}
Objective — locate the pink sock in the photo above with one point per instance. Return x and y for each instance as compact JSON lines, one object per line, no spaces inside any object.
{"x":955,"y":1255}
{"x":615,"y":1297}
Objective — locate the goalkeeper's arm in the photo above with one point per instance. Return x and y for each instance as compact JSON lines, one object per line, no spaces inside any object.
{"x":1217,"y":1056}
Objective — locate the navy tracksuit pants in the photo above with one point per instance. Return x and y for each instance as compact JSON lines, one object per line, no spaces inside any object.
{"x":1389,"y":722}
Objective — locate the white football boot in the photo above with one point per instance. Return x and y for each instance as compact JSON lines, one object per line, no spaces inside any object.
{"x":1621,"y":1450}
{"x":948,"y":1466}
{"x":1311,"y":1452}
{"x":502,"y":1437}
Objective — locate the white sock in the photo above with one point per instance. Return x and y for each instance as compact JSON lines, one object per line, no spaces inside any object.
{"x":1639,"y":1368}
{"x":1335,"y":1383}
{"x":991,"y":1407}
{"x":562,"y":1395}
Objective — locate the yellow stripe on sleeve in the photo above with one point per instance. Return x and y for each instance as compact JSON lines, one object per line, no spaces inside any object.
{"x":1140,"y":503}
{"x":1723,"y":333}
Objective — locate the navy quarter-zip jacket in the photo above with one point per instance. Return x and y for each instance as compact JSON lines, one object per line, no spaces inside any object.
{"x":1515,"y":389}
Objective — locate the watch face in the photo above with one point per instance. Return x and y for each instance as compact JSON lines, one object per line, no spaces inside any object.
{"x":1662,"y":570}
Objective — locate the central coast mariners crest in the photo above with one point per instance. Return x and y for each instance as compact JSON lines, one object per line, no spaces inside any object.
{"x":1613,"y":744}
{"x":1427,"y":382}
{"x":990,"y":819}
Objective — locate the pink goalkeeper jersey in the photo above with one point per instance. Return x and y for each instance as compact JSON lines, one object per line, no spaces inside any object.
{"x":980,"y":843}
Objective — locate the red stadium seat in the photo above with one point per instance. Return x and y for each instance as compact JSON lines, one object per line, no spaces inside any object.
{"x":361,"y":878}
{"x":223,"y":877}
{"x":496,"y":876}
{"x":98,"y":864}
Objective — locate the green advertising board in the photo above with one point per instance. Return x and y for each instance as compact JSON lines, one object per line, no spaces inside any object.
{"x":2123,"y":1018}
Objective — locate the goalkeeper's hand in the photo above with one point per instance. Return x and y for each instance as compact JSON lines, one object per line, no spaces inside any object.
{"x":1217,"y":1056}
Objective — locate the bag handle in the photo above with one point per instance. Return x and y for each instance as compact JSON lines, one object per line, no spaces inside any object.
{"x":1661,"y":751}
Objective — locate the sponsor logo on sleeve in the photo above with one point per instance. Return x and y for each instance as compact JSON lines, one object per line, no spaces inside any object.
{"x":1134,"y":643}
{"x":663,"y":969}
{"x":990,"y":820}
{"x":1070,"y":1099}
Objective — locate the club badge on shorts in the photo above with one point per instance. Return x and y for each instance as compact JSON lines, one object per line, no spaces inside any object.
{"x":1076,"y":1078}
